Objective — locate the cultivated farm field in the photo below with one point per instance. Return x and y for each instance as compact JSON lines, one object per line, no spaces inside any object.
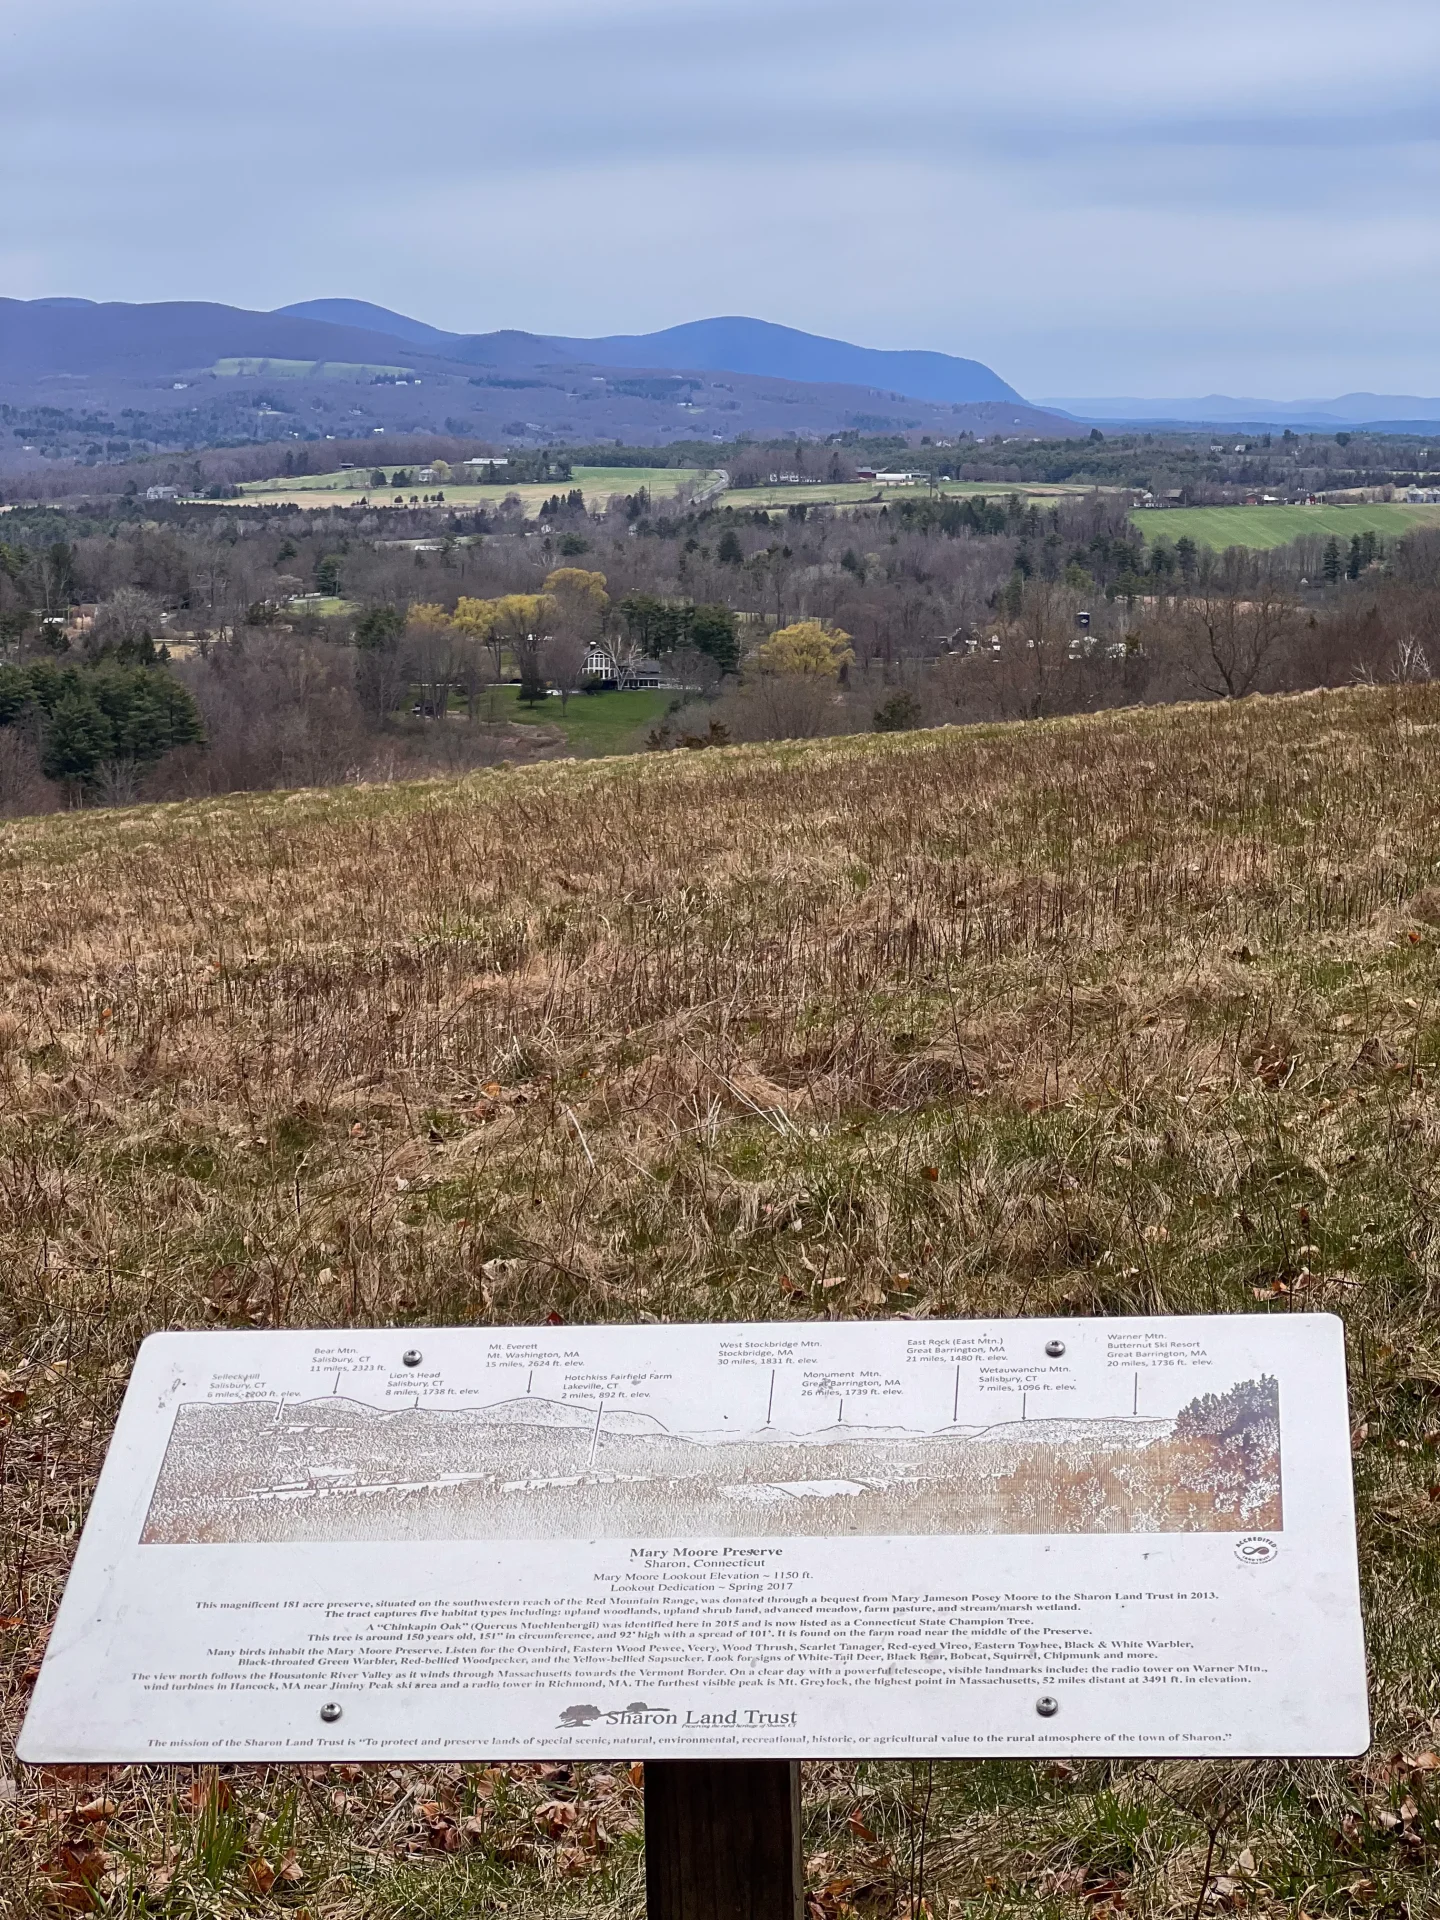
{"x":1264,"y":527}
{"x":348,"y":487}
{"x":856,"y":493}
{"x":1132,"y":1013}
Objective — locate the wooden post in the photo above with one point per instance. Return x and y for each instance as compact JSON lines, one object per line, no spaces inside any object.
{"x":722,"y":1840}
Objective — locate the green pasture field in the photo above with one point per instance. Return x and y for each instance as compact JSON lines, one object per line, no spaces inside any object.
{"x":348,"y":488}
{"x":1265,"y":527}
{"x":593,"y":723}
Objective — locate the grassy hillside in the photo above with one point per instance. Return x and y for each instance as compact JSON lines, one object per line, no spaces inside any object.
{"x":1264,"y":527}
{"x":1130,"y":1014}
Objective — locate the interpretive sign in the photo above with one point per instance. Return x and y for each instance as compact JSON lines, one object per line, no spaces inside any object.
{"x":889,"y":1538}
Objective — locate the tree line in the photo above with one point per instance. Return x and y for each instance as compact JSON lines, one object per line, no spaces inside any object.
{"x":227,"y":648}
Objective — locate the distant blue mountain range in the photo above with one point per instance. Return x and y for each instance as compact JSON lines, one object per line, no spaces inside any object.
{"x":354,"y":362}
{"x":40,"y":339}
{"x":1398,"y":412}
{"x":730,"y":345}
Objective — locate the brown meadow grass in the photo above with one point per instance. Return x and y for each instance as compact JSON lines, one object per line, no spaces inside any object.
{"x":1130,"y":1014}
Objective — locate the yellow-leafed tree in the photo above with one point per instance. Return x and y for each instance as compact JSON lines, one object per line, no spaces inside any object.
{"x":808,"y":647}
{"x":579,"y":596}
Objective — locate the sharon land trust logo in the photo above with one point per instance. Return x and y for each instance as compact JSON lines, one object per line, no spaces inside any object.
{"x":636,"y":1714}
{"x":640,"y":1714}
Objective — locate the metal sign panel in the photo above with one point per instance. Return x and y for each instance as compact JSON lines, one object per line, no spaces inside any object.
{"x":891,"y":1538}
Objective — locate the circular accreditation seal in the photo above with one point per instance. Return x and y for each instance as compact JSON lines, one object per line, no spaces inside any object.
{"x":1255,"y":1551}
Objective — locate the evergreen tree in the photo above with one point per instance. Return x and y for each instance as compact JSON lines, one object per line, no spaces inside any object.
{"x":1247,"y":1405}
{"x":75,"y":740}
{"x":713,"y":632}
{"x":532,"y":680}
{"x":645,"y":619}
{"x":87,"y":716}
{"x":149,"y":713}
{"x":897,"y":714}
{"x":379,"y":628}
{"x":1332,"y":563}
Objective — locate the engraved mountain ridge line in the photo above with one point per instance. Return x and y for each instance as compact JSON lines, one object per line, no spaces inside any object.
{"x":336,"y":1468}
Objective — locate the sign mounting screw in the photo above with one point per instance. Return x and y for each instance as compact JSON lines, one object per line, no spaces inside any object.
{"x":1054,"y":1348}
{"x":331,"y":1710}
{"x":412,"y":1357}
{"x":1044,"y":1706}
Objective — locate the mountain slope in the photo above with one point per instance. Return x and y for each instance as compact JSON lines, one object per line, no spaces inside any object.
{"x":172,"y":336}
{"x":165,"y":358}
{"x":740,"y":345}
{"x":362,"y":313}
{"x":733,"y":344}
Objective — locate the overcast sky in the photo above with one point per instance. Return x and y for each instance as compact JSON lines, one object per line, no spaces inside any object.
{"x":1094,"y":196}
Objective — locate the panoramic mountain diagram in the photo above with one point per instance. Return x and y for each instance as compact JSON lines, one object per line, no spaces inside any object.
{"x":336,"y":1469}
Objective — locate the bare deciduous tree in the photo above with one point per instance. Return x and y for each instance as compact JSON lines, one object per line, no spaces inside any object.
{"x":23,"y":787}
{"x":124,"y":621}
{"x":434,"y":653}
{"x":562,"y":660}
{"x":1227,"y":643}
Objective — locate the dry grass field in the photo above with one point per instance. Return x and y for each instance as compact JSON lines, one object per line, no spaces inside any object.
{"x":1128,"y":1014}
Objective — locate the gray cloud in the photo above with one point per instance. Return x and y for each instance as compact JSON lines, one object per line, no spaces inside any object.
{"x":1091,"y":197}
